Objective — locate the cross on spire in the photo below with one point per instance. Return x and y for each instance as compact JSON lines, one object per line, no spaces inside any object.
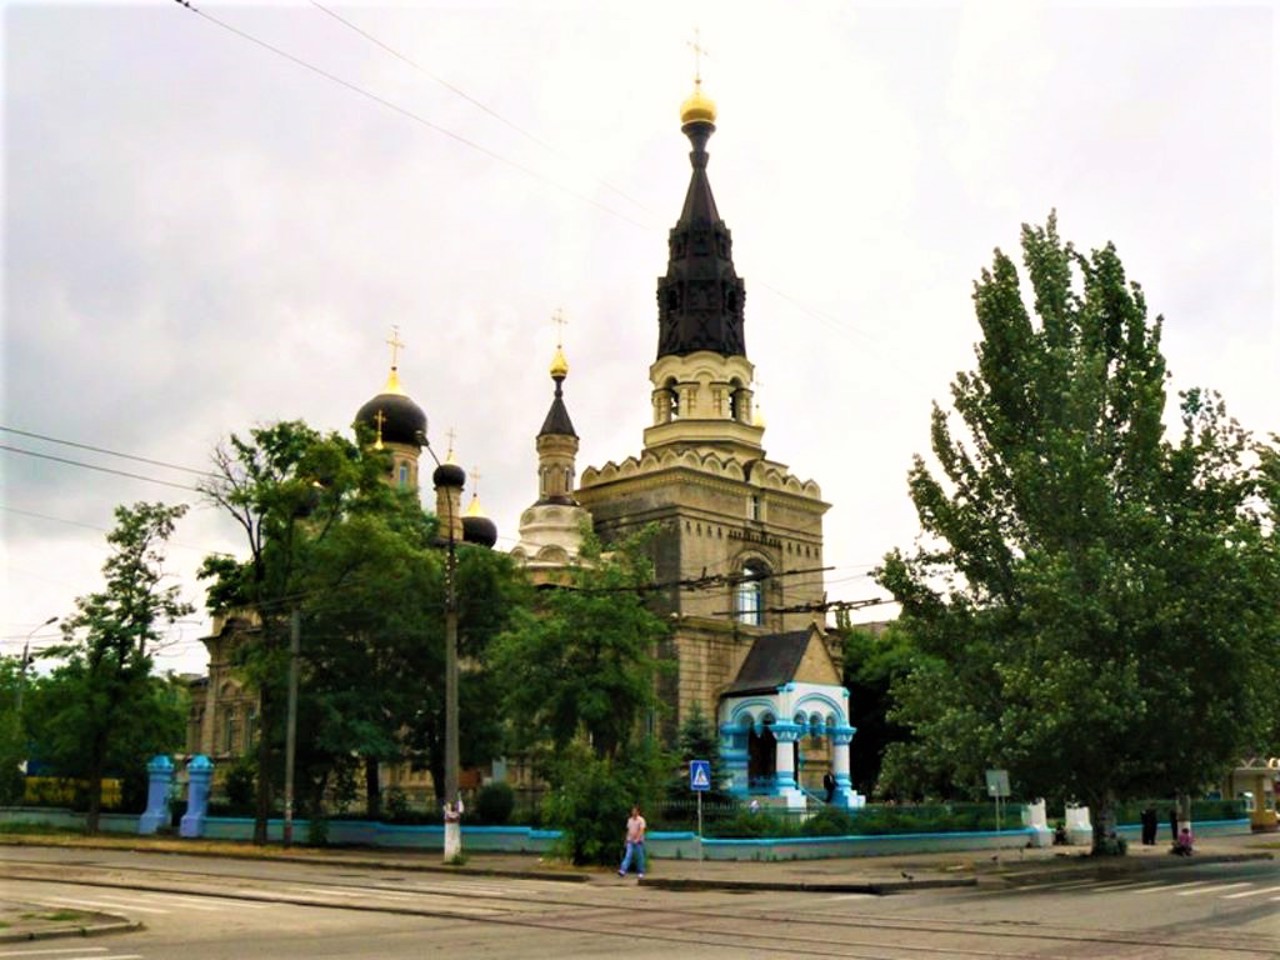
{"x":559,"y":320}
{"x":396,"y":345}
{"x":475,"y":481}
{"x":698,"y":51}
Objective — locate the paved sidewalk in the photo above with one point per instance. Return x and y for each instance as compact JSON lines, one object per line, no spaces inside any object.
{"x":881,"y":875}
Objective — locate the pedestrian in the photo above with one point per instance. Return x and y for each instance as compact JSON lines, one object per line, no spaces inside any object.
{"x":1173,"y":824}
{"x":636,"y":827}
{"x":1150,"y":825}
{"x":1182,"y":846}
{"x":829,"y":784}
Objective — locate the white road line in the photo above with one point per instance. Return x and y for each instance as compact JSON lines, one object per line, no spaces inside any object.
{"x":1174,"y":886}
{"x":1220,"y":887}
{"x":113,"y":906}
{"x":222,"y":902}
{"x":1251,"y":893}
{"x":359,"y":892}
{"x":1125,"y":884}
{"x":852,"y":896}
{"x":50,"y":951}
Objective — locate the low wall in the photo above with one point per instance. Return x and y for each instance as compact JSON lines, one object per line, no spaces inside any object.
{"x":661,"y":844}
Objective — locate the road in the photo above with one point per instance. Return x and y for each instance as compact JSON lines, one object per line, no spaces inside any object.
{"x":202,"y":908}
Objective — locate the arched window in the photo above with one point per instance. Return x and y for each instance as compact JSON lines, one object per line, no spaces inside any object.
{"x":404,"y":474}
{"x":750,"y":599}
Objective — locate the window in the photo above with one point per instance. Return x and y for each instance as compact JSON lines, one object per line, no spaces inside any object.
{"x":404,"y":475}
{"x":755,"y":509}
{"x":750,"y":600}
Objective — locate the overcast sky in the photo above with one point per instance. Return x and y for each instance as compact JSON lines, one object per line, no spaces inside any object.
{"x":202,"y":235}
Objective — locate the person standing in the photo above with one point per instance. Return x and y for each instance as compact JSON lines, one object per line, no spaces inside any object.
{"x":829,"y":784}
{"x":1173,"y":824}
{"x":636,"y":827}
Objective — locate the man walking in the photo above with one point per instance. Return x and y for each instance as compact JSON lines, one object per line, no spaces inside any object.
{"x":635,"y":843}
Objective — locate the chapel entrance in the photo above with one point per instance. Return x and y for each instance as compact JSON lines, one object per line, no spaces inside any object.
{"x":762,"y":759}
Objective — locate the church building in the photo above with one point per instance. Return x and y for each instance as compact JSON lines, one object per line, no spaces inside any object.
{"x":739,"y":551}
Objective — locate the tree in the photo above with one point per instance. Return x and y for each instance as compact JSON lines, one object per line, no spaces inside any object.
{"x":102,"y":709}
{"x":582,"y":661}
{"x":1091,"y":598}
{"x":287,"y":486}
{"x":873,"y":661}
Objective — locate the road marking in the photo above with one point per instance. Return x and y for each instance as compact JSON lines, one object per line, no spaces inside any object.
{"x":1224,"y":886}
{"x":1174,"y":886}
{"x":113,"y":906}
{"x":1251,"y":893}
{"x":49,"y":951}
{"x":1127,"y":885}
{"x":222,"y":902}
{"x":853,"y":896}
{"x":359,"y":892}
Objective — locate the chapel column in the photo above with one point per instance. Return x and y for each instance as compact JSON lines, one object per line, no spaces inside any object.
{"x":846,"y":796}
{"x":787,"y":735}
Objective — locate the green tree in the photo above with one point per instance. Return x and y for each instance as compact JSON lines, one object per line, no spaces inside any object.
{"x":13,"y":738}
{"x":873,"y":661}
{"x":582,"y":661}
{"x":102,"y":709}
{"x":288,"y":487}
{"x":1091,"y":598}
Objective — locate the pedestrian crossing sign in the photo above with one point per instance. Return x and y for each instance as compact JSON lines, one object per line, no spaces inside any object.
{"x":699,"y":774}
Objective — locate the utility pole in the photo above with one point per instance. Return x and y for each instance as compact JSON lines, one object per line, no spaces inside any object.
{"x":291,"y":722}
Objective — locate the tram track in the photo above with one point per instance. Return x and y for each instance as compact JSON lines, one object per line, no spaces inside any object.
{"x":860,"y":936}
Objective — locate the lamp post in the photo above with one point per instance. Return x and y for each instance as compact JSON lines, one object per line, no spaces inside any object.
{"x":449,"y":479}
{"x":22,"y":667}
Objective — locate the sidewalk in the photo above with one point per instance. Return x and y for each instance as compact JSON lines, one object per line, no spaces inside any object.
{"x":876,"y":875}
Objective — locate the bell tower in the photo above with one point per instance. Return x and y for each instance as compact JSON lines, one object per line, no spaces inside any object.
{"x":740,"y":542}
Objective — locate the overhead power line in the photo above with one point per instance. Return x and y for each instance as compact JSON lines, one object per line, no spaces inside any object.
{"x":109,"y":453}
{"x":94,"y":466}
{"x":415,"y":117}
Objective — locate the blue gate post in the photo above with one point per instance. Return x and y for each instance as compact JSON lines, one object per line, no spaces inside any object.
{"x":160,"y":772}
{"x":199,"y":775}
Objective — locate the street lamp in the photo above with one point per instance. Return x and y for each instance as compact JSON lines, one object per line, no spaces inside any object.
{"x":449,"y":480}
{"x":26,"y":659}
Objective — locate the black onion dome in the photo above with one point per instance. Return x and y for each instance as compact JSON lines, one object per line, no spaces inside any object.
{"x":449,"y":474}
{"x":479,"y":530}
{"x":476,"y":527}
{"x":392,"y":417}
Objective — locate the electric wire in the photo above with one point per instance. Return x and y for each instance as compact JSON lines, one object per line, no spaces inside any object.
{"x":411,"y":115}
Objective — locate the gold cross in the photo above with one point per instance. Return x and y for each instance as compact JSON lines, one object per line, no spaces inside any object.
{"x":475,"y":481}
{"x":558,"y":319}
{"x":698,"y":50}
{"x":379,"y":419}
{"x":452,"y":434}
{"x":395,"y":344}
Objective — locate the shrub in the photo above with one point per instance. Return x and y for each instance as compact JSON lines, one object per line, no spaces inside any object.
{"x":495,"y":803}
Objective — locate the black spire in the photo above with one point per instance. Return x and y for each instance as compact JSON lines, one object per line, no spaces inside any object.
{"x":558,"y":422}
{"x":700,"y":299}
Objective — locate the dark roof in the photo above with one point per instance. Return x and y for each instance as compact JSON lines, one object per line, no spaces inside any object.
{"x":771,"y":662}
{"x":402,"y":420}
{"x":557,"y":422}
{"x":700,"y":300}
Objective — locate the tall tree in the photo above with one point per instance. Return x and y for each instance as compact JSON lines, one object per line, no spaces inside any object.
{"x":287,"y":486}
{"x":583,"y":660}
{"x":104,"y":695}
{"x":1090,"y":596}
{"x":873,"y":660}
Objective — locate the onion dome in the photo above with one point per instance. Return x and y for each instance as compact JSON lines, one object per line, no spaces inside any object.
{"x":393,"y":417}
{"x":449,"y":474}
{"x":699,"y":107}
{"x":476,"y":527}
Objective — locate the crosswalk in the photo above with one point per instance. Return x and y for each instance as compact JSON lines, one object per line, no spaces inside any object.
{"x":1265,"y":890}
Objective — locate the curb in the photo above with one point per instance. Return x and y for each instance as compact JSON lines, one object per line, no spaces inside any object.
{"x":54,"y":932}
{"x":878,"y":889}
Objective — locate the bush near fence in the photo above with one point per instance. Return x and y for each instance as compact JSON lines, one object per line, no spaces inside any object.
{"x":68,"y":792}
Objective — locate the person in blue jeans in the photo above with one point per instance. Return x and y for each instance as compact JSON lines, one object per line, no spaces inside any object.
{"x":635,"y":843}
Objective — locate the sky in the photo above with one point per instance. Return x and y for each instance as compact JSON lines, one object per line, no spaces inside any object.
{"x":214,"y":217}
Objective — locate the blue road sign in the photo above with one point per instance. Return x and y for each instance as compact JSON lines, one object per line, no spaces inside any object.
{"x":699,"y":774}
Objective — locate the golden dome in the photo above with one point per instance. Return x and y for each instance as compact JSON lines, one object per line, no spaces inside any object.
{"x":473,"y":508}
{"x":559,"y":365}
{"x":698,"y":106}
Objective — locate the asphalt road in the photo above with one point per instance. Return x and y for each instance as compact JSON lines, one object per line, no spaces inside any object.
{"x":201,"y":908}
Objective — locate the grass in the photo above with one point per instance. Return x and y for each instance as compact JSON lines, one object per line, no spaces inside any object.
{"x":56,"y":916}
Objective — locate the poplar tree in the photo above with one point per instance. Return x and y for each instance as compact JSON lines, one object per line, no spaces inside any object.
{"x":1091,"y":596}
